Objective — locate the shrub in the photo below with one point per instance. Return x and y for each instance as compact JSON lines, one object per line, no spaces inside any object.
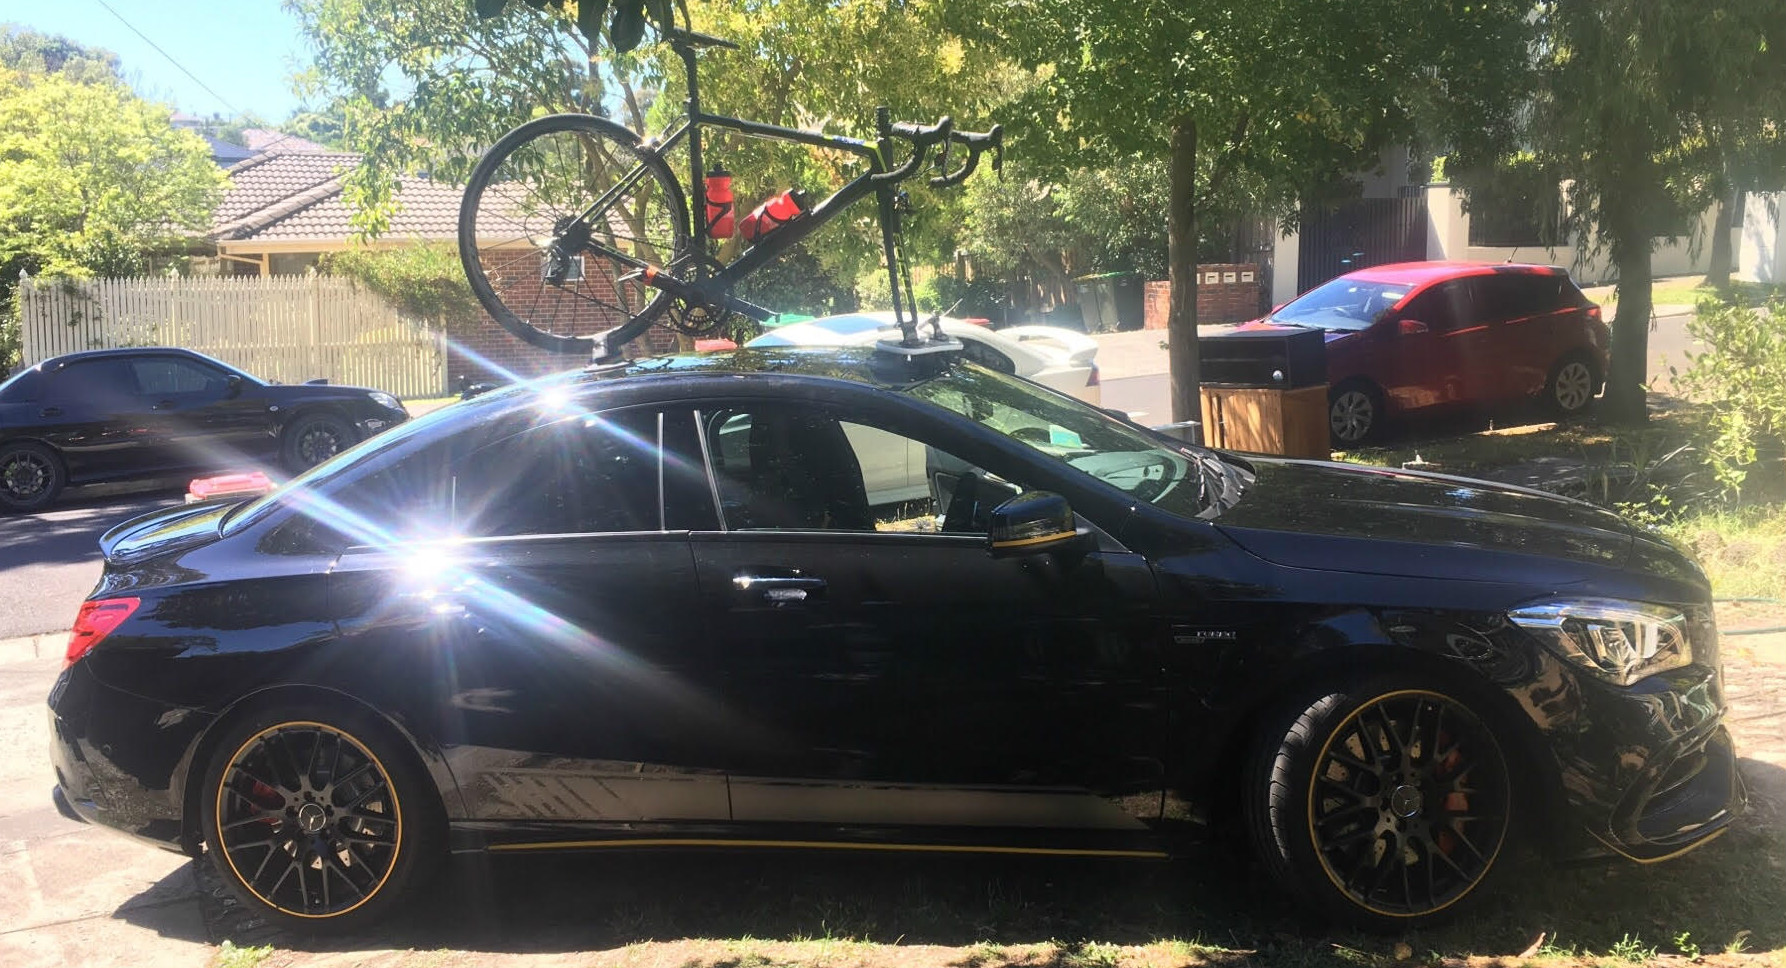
{"x":422,"y":280}
{"x":1742,"y":377}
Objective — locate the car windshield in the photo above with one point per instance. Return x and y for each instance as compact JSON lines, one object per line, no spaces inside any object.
{"x":1184,"y":480}
{"x":1343,"y":304}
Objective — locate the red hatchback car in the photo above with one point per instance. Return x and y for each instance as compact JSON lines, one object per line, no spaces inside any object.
{"x":1417,"y":335}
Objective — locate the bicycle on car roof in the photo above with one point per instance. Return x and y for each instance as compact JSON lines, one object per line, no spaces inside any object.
{"x":576,"y":234}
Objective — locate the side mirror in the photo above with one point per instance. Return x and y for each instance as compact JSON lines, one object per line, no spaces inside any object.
{"x":1034,"y":522}
{"x":1411,"y":327}
{"x":232,"y":386}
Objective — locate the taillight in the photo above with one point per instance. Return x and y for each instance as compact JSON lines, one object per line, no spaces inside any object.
{"x":1594,"y":312}
{"x":96,"y":620}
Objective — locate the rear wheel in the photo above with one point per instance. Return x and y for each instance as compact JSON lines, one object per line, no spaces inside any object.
{"x":31,"y":476}
{"x":1385,"y":801}
{"x":1571,"y":388}
{"x":555,"y":214}
{"x":317,"y":818}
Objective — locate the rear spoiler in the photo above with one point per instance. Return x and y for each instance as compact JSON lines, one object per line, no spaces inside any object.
{"x":1078,"y":348}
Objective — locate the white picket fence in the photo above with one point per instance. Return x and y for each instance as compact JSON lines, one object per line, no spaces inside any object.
{"x":284,"y":328}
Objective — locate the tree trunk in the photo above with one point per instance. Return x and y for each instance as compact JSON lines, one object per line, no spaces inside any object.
{"x":1717,"y":267}
{"x":1181,"y":263}
{"x":1626,"y":400}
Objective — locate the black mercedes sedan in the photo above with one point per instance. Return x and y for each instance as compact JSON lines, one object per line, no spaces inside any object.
{"x":110,"y":415}
{"x":652,"y":605}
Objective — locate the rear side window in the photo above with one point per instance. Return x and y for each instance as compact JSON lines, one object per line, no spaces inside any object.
{"x":102,"y":382}
{"x":581,"y":475}
{"x":23,"y":387}
{"x":1516,"y":296}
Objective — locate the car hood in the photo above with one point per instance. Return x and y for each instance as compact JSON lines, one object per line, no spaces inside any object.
{"x":1340,"y":517}
{"x":170,"y":529}
{"x":1268,"y":324}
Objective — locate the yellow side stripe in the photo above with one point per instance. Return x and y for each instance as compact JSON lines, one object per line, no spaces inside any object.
{"x":834,"y":845}
{"x":1038,"y":539}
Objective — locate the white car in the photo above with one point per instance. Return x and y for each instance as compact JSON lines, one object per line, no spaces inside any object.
{"x":1054,"y":357}
{"x":895,"y":469}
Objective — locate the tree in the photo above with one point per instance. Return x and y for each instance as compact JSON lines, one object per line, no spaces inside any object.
{"x":1252,"y":104}
{"x":29,"y":52}
{"x":93,"y":180}
{"x":1642,"y":105}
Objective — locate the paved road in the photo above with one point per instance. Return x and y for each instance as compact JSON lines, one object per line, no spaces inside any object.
{"x":49,"y":561}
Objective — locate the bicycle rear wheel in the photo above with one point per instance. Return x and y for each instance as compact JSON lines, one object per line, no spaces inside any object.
{"x":555,"y":214}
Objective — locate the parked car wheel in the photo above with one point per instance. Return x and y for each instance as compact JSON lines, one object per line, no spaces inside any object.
{"x":317,"y":817}
{"x":1572,"y":385}
{"x":31,"y":476}
{"x":1384,"y":802}
{"x":314,"y":438}
{"x":1354,"y":414}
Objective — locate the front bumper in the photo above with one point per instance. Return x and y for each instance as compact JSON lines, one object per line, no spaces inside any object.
{"x":1684,"y":802}
{"x":121,"y":760}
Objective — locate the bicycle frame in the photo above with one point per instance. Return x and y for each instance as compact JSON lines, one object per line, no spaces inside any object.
{"x":695,"y":119}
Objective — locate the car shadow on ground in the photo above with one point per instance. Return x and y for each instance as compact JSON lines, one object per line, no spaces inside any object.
{"x":66,"y":532}
{"x":569,"y":903}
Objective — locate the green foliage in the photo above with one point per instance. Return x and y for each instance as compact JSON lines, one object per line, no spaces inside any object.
{"x":1647,"y":108}
{"x":230,"y":955}
{"x":625,"y":29}
{"x":27,"y":51}
{"x":798,"y":282}
{"x":1742,"y":372}
{"x":1683,"y":942}
{"x":422,"y":280}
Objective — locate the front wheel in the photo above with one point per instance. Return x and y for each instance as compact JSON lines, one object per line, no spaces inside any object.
{"x":318,"y":819}
{"x":554,"y":215}
{"x":1385,"y":801}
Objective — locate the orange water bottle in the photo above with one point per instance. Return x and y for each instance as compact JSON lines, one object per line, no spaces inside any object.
{"x":719,"y":203}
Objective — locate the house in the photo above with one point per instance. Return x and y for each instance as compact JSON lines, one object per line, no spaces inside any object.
{"x":285,"y":210}
{"x":1400,"y":216}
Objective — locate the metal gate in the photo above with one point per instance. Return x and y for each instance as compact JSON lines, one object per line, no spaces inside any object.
{"x":1364,"y":232}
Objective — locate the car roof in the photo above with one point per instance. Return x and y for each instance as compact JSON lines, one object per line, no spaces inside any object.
{"x":1426,"y":273}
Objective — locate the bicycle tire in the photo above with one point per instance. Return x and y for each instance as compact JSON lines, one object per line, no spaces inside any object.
{"x":525,"y":275}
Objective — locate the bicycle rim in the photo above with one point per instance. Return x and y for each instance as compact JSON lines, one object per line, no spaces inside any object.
{"x":556,"y":214}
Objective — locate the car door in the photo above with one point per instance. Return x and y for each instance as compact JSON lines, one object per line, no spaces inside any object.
{"x":1528,"y":309}
{"x":200,"y":418}
{"x":884,"y":668}
{"x":87,"y":410}
{"x":551,"y":636}
{"x":1426,"y":344}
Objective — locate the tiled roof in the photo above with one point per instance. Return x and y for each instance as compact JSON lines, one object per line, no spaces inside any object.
{"x":260,"y":139}
{"x":289,"y":197}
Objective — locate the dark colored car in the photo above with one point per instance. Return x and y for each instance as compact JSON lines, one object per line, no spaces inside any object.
{"x":113,"y":415}
{"x":1416,"y":336}
{"x":652,"y":606}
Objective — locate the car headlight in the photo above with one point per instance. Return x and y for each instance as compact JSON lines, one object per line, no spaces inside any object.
{"x":1618,"y":641}
{"x":385,"y":400}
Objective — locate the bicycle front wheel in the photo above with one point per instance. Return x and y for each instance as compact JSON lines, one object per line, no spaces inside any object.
{"x":556,"y":213}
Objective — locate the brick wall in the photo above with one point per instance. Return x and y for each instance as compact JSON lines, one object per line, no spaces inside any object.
{"x":1232,"y":296}
{"x":487,"y":351}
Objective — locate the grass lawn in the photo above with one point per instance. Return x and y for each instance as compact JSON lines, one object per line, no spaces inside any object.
{"x":1685,"y":291}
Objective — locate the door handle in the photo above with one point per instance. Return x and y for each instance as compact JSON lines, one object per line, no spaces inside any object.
{"x":163,"y":405}
{"x":50,"y":412}
{"x":779,"y":586}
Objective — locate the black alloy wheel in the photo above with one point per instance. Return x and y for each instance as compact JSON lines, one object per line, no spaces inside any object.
{"x":308,"y":820}
{"x":30,"y":477}
{"x":313,"y":440}
{"x":319,"y":818}
{"x":1385,"y":803}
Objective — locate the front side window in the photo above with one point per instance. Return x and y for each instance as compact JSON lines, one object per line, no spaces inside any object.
{"x":1444,"y":307}
{"x":167,"y":376}
{"x":783,"y":468}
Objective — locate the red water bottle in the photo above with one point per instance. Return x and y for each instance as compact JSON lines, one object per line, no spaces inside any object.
{"x":719,"y":203}
{"x":773,"y":214}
